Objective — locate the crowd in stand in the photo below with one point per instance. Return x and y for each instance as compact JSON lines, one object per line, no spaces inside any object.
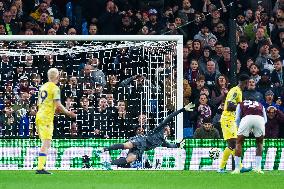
{"x":96,"y":93}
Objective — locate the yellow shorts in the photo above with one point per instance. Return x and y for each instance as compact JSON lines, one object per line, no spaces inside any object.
{"x":44,"y":129}
{"x":229,"y":128}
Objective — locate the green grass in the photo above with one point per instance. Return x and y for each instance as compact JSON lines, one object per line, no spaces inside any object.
{"x":140,"y":179}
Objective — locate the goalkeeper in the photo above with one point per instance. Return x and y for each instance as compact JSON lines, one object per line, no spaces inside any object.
{"x":140,"y":143}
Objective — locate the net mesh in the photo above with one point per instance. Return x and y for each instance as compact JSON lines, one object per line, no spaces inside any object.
{"x":139,"y":75}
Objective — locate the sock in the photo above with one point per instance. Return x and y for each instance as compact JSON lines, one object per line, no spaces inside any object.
{"x":119,"y":161}
{"x":258,"y":162}
{"x":226,"y":154}
{"x":237,"y":162}
{"x":114,"y":147}
{"x":233,"y":154}
{"x":41,"y":161}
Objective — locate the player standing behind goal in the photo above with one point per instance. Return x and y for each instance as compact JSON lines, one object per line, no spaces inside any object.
{"x":228,"y":123}
{"x":250,"y":115}
{"x":140,"y":143}
{"x":48,"y":102}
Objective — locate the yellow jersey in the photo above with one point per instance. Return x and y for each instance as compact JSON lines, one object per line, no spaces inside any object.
{"x":235,"y":96}
{"x":48,"y":93}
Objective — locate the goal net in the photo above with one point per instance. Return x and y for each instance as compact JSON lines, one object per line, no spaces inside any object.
{"x":142,"y":73}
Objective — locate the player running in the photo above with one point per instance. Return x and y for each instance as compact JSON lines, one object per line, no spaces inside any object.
{"x":228,"y":123}
{"x":48,"y":102}
{"x":250,"y":116}
{"x":138,"y":144}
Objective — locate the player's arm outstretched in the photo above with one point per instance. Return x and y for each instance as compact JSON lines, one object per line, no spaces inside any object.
{"x":168,"y":119}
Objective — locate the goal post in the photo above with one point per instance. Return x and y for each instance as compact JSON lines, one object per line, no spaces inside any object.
{"x":144,"y":39}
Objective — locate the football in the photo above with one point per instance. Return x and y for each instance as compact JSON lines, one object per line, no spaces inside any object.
{"x":214,"y":153}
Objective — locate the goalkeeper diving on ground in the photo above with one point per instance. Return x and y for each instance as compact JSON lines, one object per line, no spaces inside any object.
{"x":140,"y":143}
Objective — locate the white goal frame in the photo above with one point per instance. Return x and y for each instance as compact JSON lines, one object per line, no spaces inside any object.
{"x":179,"y":48}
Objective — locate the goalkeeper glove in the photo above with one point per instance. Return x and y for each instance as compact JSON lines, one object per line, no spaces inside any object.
{"x":189,"y":107}
{"x":181,"y":144}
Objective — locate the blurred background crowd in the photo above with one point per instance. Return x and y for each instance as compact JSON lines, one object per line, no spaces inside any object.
{"x":105,"y":94}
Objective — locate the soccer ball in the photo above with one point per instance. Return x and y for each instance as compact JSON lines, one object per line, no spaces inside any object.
{"x":214,"y":153}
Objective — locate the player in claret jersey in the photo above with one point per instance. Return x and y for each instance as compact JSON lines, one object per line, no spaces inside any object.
{"x":250,"y":116}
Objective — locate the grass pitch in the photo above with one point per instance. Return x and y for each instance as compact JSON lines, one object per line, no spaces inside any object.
{"x":140,"y":179}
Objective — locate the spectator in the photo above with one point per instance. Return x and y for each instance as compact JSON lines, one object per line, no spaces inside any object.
{"x":268,"y":101}
{"x":248,"y":16}
{"x":275,"y":121}
{"x":6,"y":71}
{"x":254,"y":72}
{"x":101,"y":121}
{"x":97,"y":74}
{"x":193,"y":73}
{"x":31,"y":122}
{"x":71,"y":31}
{"x":85,"y":118}
{"x":211,"y":74}
{"x":222,"y":34}
{"x":264,"y":83}
{"x":53,"y":10}
{"x":22,"y":86}
{"x":206,"y":131}
{"x":153,"y":24}
{"x":112,"y":86}
{"x":73,"y":131}
{"x":11,"y":28}
{"x":219,"y":92}
{"x":144,"y":31}
{"x":128,"y":26}
{"x":219,"y":52}
{"x":263,"y":60}
{"x":72,"y":89}
{"x":196,"y":25}
{"x":9,"y":124}
{"x":204,"y":35}
{"x":124,"y":119}
{"x":109,"y":21}
{"x":171,"y":83}
{"x":86,"y":75}
{"x":200,"y":83}
{"x":64,"y":26}
{"x":38,"y":13}
{"x":243,"y":54}
{"x":186,"y":13}
{"x":251,"y":92}
{"x":30,"y":66}
{"x":202,"y":110}
{"x":216,"y":121}
{"x":51,"y":31}
{"x":274,"y":53}
{"x":21,"y":108}
{"x":93,"y":29}
{"x":277,"y":75}
{"x":56,"y":25}
{"x":197,"y":50}
{"x":207,"y":56}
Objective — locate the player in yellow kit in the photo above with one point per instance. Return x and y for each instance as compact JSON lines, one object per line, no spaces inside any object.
{"x":228,"y":124}
{"x":48,"y":102}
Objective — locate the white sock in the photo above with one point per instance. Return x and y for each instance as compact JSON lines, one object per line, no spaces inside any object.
{"x":258,"y":162}
{"x":237,"y":162}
